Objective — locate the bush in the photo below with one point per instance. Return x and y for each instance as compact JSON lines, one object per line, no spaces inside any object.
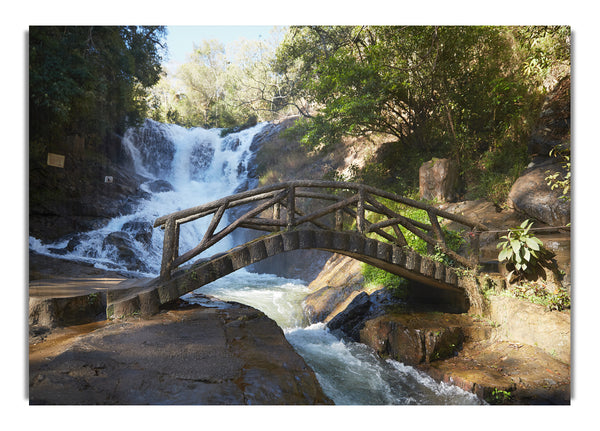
{"x":379,"y":277}
{"x":524,"y":254}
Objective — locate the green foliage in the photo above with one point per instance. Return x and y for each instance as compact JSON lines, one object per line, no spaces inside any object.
{"x":499,"y":396}
{"x":468,"y":93}
{"x":377,"y":276}
{"x":520,"y":248}
{"x":89,"y":81}
{"x":220,"y":86}
{"x":381,"y":278}
{"x":557,"y":180}
{"x":543,"y":48}
{"x":538,"y":293}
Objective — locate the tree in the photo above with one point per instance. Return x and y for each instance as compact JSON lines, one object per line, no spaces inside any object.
{"x":90,"y":81}
{"x":456,"y":91}
{"x":220,"y":86}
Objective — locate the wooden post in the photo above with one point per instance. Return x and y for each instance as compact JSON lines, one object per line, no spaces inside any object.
{"x":475,"y":248}
{"x":360,"y":211}
{"x":291,"y":207}
{"x":169,"y":247}
{"x":276,"y":212}
{"x":339,"y":220}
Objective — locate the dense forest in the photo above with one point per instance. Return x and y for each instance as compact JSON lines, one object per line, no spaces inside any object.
{"x":470,"y":93}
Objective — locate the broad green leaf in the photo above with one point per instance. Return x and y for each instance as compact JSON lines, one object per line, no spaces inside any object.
{"x":504,"y":254}
{"x":516,"y":245}
{"x":527,"y":255}
{"x":532,"y":244}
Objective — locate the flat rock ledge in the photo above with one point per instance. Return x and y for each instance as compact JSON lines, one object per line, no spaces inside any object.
{"x":189,"y":355}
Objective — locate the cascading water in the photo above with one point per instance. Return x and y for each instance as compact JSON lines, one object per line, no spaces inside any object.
{"x":184,"y":167}
{"x":188,"y":167}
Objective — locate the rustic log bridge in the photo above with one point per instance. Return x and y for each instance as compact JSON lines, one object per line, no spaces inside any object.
{"x":284,"y":202}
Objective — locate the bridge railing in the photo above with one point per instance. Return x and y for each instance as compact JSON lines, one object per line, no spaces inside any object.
{"x":282,"y":203}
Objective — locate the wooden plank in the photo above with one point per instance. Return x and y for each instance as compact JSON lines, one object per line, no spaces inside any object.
{"x":376,"y":230}
{"x":291,"y":207}
{"x":322,"y":184}
{"x":213,"y":224}
{"x":265,"y":222}
{"x":437,"y":230}
{"x":339,"y":220}
{"x":168,"y":249}
{"x":256,"y":226}
{"x":234,"y":200}
{"x":360,"y":211}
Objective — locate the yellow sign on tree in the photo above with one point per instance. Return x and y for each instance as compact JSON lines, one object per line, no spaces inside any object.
{"x":56,"y":160}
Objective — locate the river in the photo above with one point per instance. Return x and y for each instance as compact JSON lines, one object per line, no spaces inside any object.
{"x":188,"y":167}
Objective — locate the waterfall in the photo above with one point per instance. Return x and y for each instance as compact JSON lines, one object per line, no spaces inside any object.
{"x":184,"y":168}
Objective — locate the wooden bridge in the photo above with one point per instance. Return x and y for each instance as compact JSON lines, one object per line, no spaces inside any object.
{"x":340,"y":217}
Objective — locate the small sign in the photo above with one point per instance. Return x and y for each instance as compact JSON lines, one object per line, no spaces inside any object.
{"x":56,"y":160}
{"x":108,"y":179}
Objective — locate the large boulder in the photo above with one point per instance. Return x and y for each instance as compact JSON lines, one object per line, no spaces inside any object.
{"x":532,"y":196}
{"x":189,"y":355}
{"x":438,"y":180}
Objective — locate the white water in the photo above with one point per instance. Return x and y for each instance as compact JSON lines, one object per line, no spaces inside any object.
{"x":349,"y":373}
{"x":201,"y":167}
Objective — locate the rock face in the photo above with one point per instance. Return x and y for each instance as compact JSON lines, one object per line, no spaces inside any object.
{"x":554,"y":125}
{"x":438,"y":180}
{"x":420,"y":337}
{"x":532,"y":324}
{"x":229,"y":355}
{"x":339,"y":282}
{"x":532,"y":196}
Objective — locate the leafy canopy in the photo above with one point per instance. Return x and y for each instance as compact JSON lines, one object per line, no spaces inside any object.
{"x":90,"y":80}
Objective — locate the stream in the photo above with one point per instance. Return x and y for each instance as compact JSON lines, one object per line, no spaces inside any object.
{"x":188,"y":167}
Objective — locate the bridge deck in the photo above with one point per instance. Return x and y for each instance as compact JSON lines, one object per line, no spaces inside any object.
{"x":398,"y":260}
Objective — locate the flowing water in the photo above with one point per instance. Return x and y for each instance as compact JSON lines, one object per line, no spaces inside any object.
{"x":188,"y":167}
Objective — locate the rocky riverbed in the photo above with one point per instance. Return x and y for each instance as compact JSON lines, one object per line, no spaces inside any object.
{"x":506,"y":350}
{"x":225,"y":353}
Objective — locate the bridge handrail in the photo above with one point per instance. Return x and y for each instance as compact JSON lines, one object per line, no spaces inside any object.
{"x":268,"y":191}
{"x":285,"y":194}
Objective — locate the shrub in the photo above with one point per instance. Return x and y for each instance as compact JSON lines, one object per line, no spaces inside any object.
{"x":379,"y":277}
{"x":523,"y":253}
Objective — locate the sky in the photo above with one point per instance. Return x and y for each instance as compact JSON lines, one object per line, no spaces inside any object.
{"x":181,"y":38}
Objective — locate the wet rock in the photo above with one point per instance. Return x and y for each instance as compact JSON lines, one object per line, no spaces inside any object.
{"x":124,"y":249}
{"x":140,"y":230}
{"x":201,"y":158}
{"x":412,"y":339}
{"x":506,"y":373}
{"x":230,"y":143}
{"x":265,"y":134}
{"x":351,"y":320}
{"x":159,"y":186}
